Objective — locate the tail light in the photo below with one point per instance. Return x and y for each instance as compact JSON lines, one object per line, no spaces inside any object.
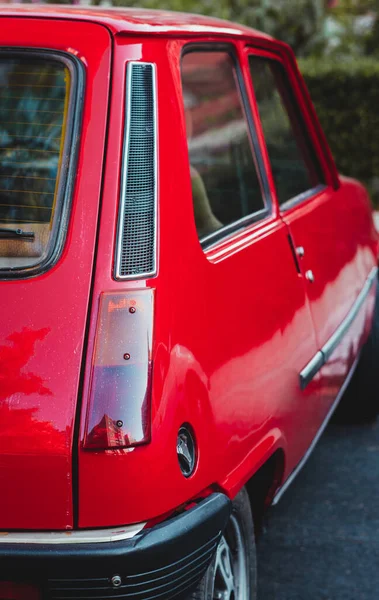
{"x":18,"y":591}
{"x":120,"y":389}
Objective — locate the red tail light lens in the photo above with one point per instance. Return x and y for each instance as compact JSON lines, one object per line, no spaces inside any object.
{"x":120,"y":390}
{"x":18,"y":591}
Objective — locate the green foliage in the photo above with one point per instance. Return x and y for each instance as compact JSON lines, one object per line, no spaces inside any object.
{"x":345,"y":94}
{"x":352,"y":27}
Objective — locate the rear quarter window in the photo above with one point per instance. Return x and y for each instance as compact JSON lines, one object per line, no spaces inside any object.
{"x":36,"y":127}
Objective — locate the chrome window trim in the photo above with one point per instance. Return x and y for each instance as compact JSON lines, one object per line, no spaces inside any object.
{"x":302,"y":197}
{"x":322,"y":356}
{"x":89,"y":536}
{"x":222,"y":234}
{"x":124,"y":172}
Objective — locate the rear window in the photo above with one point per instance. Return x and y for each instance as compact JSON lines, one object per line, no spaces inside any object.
{"x":35,"y":108}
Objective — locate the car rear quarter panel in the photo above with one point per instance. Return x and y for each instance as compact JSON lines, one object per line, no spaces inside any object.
{"x":230,"y":335}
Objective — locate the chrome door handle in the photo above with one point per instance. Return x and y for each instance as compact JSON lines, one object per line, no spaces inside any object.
{"x":300,"y":251}
{"x":309,"y":275}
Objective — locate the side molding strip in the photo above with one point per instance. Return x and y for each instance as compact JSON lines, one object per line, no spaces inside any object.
{"x":311,"y":369}
{"x":323,"y":355}
{"x":301,"y":464}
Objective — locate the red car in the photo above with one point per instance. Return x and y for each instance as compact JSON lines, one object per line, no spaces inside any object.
{"x":187,"y":284}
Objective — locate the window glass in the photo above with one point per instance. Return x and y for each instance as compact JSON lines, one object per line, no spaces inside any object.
{"x":293,"y":161}
{"x":225,"y":185}
{"x":34,"y":96}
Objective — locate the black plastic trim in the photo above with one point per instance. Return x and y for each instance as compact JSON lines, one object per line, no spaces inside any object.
{"x":294,"y":254}
{"x":152,"y":554}
{"x":300,"y":198}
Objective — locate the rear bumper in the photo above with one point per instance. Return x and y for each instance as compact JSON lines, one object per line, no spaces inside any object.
{"x":165,"y":562}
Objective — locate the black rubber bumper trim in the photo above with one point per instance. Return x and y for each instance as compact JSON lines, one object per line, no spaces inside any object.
{"x":151,"y":549}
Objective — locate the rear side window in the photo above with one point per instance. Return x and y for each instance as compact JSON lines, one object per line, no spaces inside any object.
{"x":34,"y":107}
{"x":294,"y":163}
{"x":225,"y":184}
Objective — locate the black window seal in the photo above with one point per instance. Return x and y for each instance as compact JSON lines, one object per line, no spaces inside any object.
{"x":226,"y":231}
{"x":300,"y":198}
{"x":69,"y":157}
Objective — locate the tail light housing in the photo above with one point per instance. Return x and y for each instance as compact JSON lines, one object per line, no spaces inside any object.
{"x":119,"y":406}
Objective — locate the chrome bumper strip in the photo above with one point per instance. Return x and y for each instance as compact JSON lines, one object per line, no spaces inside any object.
{"x":89,"y":536}
{"x":323,"y":355}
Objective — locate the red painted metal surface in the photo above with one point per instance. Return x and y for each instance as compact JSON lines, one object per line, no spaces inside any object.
{"x":233,"y":329}
{"x":43,"y":319}
{"x":139,"y":21}
{"x":233,"y":326}
{"x":334,"y":228}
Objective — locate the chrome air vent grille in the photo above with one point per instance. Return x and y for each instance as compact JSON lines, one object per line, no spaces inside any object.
{"x":136,"y":237}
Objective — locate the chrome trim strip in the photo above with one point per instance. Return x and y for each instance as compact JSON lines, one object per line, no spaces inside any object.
{"x":314,"y":365}
{"x":224,"y":232}
{"x":90,"y":536}
{"x":124,"y":168}
{"x":337,"y":336}
{"x":311,"y":369}
{"x":322,"y":356}
{"x":301,"y":464}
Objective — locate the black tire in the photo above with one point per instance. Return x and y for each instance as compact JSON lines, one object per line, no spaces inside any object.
{"x":241,"y":514}
{"x":360,"y":403}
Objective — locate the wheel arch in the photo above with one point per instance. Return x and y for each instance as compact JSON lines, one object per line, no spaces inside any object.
{"x":261,"y":487}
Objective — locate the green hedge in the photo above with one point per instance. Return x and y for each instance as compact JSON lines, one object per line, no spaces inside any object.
{"x":346,"y":97}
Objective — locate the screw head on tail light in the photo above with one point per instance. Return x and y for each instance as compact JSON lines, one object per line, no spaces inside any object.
{"x":186,"y":450}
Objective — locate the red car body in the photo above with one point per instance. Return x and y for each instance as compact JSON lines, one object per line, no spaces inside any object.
{"x":234,"y":326}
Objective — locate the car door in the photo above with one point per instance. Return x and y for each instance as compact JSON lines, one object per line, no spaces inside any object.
{"x":318,"y":216}
{"x":255,"y":317}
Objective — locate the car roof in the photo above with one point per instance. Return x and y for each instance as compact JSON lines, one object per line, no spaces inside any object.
{"x":135,"y":20}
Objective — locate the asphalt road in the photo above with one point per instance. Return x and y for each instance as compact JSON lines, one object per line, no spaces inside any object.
{"x":322,"y":540}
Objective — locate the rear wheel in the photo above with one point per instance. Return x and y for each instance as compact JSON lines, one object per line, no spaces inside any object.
{"x":361,"y":400}
{"x":232,"y":574}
